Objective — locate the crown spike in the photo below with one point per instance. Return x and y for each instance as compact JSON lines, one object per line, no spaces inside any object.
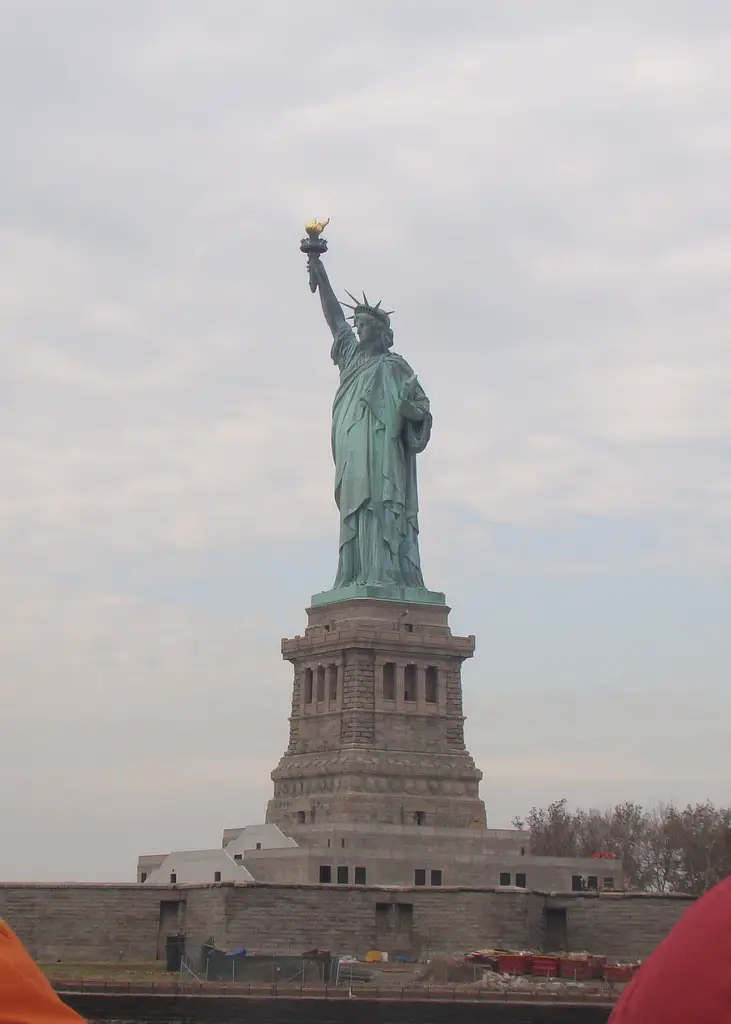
{"x":365,"y":300}
{"x":351,"y":296}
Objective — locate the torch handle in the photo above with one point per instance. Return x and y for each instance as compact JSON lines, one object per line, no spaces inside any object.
{"x":311,"y":266}
{"x":314,"y":248}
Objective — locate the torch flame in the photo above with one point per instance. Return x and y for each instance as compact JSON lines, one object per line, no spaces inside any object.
{"x":316,"y":227}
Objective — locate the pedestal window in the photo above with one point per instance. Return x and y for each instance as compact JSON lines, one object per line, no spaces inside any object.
{"x":389,"y":681}
{"x":410,"y":684}
{"x":432,"y":685}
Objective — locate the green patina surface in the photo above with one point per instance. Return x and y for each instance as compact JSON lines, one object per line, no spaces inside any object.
{"x":414,"y":595}
{"x":380,"y":422}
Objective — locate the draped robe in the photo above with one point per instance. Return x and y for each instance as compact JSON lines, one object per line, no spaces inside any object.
{"x":374,"y":447}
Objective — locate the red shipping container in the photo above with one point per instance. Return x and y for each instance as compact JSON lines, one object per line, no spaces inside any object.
{"x":545,"y":966}
{"x":597,"y":967}
{"x":513,"y":963}
{"x":618,"y":972}
{"x":576,"y":968}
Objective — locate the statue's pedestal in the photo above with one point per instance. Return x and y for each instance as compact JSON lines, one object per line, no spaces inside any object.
{"x":407,"y":595}
{"x":377,"y":729}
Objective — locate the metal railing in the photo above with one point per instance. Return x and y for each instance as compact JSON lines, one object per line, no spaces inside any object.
{"x":186,"y":972}
{"x":190,"y":985}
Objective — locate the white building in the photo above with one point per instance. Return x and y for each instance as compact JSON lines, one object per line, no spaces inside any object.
{"x":185,"y":866}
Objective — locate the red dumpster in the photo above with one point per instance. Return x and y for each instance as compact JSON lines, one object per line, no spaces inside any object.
{"x":597,"y":966}
{"x":576,"y":968}
{"x":618,"y":972}
{"x":514,"y":963}
{"x":545,"y":966}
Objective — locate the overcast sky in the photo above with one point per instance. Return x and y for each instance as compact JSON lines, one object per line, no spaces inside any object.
{"x":540,"y":189}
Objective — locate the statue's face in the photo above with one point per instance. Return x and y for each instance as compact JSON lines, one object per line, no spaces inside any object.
{"x":369,"y":334}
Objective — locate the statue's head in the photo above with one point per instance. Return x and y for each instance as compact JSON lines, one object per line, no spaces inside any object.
{"x":372,"y":325}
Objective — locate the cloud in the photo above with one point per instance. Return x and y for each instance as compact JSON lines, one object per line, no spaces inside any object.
{"x":138,"y":336}
{"x":542,"y":196}
{"x":136,"y":716}
{"x":608,"y":748}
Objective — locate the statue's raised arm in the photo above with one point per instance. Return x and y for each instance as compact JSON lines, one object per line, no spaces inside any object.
{"x":314,"y":245}
{"x":331,"y":308}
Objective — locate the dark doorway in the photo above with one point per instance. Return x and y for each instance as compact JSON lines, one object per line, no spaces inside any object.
{"x":167,"y":925}
{"x":403,"y":939}
{"x":384,"y":918}
{"x":556,"y":930}
{"x":174,"y":951}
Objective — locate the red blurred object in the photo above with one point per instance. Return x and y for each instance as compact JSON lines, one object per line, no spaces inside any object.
{"x":687,"y":979}
{"x":514,"y":963}
{"x":544,"y":966}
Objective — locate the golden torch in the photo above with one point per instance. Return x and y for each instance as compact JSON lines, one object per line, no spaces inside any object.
{"x":313,"y":245}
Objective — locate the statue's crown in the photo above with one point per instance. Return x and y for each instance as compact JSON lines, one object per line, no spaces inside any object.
{"x":365,"y":307}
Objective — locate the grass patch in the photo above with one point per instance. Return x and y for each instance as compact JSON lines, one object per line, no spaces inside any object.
{"x":106,"y":971}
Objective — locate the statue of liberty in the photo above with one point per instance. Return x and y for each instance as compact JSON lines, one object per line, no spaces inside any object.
{"x":380,"y":423}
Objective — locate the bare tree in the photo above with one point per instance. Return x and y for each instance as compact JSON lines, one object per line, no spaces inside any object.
{"x":662,"y":855}
{"x":663,"y":848}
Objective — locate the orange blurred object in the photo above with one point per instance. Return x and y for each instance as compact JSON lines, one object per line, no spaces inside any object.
{"x":26,"y":997}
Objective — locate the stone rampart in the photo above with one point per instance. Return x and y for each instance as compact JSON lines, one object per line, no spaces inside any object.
{"x":131,"y":922}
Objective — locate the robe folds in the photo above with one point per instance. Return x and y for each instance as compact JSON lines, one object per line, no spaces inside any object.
{"x":376,"y":436}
